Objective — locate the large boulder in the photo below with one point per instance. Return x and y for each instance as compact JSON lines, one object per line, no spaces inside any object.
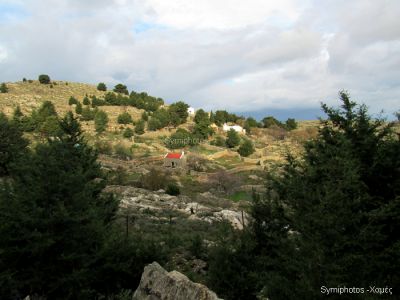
{"x":158,"y":284}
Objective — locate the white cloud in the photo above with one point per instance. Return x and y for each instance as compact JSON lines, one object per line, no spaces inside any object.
{"x":229,"y":54}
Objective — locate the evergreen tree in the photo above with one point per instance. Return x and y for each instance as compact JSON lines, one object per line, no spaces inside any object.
{"x":246,"y":148}
{"x":178,"y":113}
{"x":53,"y":219}
{"x":72,"y":100}
{"x":12,"y":144}
{"x":86,"y":101}
{"x":153,"y":124}
{"x":78,"y":108}
{"x":128,"y":133}
{"x":121,"y":89}
{"x":102,"y":87}
{"x":290,"y":124}
{"x":145,"y":116}
{"x":124,"y":118}
{"x":232,"y":139}
{"x":139,"y":127}
{"x":329,"y":219}
{"x":100,"y":121}
{"x":201,"y":117}
{"x":44,"y":79}
{"x":3,"y":88}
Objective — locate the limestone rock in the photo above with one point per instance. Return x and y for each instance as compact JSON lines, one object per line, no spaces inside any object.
{"x":158,"y":284}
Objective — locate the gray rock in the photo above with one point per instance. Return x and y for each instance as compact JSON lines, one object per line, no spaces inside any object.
{"x":158,"y":284}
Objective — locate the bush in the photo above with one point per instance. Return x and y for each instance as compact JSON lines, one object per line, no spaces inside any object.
{"x":102,"y":87}
{"x":290,"y":124}
{"x":219,"y":141}
{"x":154,"y":180}
{"x":44,"y":79}
{"x":103,"y":147}
{"x":88,"y":114}
{"x":3,"y":88}
{"x":246,"y":148}
{"x":124,"y":118}
{"x":128,"y":133}
{"x":78,"y":108}
{"x":153,"y":124}
{"x":100,"y":121}
{"x":173,"y":189}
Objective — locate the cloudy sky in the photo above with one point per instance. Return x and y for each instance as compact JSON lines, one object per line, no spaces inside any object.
{"x":255,"y":56}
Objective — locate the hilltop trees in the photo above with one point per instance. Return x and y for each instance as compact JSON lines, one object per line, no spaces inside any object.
{"x":102,"y":87}
{"x":3,"y":88}
{"x":44,"y":79}
{"x":178,"y":113}
{"x":121,"y":89}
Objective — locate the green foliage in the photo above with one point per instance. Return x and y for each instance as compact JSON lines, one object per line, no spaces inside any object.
{"x":78,"y":108}
{"x":100,"y":121}
{"x":50,"y":127}
{"x":44,"y":79}
{"x":178,"y":113}
{"x":233,"y":138}
{"x":128,"y":133}
{"x":12,"y":144}
{"x":173,"y":189}
{"x":124,"y":118}
{"x":201,"y":117}
{"x":180,"y":139}
{"x":153,"y":124}
{"x":3,"y":88}
{"x":219,"y":141}
{"x":53,"y":220}
{"x":88,"y":114}
{"x":222,"y":116}
{"x":102,"y":87}
{"x":103,"y":147}
{"x":72,"y":100}
{"x":121,"y":89}
{"x":271,"y":121}
{"x":329,"y":217}
{"x":290,"y":124}
{"x":246,"y":148}
{"x":139,"y":127}
{"x":145,"y":116}
{"x":251,"y":122}
{"x":86,"y":101}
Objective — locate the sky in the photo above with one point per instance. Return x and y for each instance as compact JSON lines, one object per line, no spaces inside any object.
{"x":253,"y":57}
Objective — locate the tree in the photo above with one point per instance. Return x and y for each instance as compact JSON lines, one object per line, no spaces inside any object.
{"x":86,"y":101}
{"x":54,"y":219}
{"x":202,"y":130}
{"x":44,"y":79}
{"x":139,"y":127}
{"x":121,"y":89}
{"x":251,"y":122}
{"x":124,"y":118}
{"x":201,"y":117}
{"x":329,"y":217}
{"x":290,"y":124}
{"x":145,"y":116}
{"x":12,"y":144}
{"x":3,"y":88}
{"x":232,"y":139}
{"x":50,"y":127}
{"x":154,"y":180}
{"x":100,"y":121}
{"x":88,"y":114}
{"x":271,"y":121}
{"x":153,"y":124}
{"x":72,"y":100}
{"x":179,"y":139}
{"x":78,"y":108}
{"x":102,"y":87}
{"x":246,"y":148}
{"x":178,"y":113}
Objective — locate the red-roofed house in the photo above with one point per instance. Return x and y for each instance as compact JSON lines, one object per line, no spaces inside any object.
{"x":175,"y":160}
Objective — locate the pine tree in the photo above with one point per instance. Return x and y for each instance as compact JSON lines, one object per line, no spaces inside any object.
{"x":100,"y":121}
{"x":139,"y":127}
{"x":232,"y":139}
{"x":3,"y":88}
{"x":102,"y":87}
{"x":53,"y":219}
{"x":246,"y":148}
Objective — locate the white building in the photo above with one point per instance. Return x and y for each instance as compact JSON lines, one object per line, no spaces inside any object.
{"x":237,"y":128}
{"x":191,"y":111}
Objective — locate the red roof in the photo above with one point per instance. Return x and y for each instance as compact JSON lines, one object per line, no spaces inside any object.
{"x":174,"y":155}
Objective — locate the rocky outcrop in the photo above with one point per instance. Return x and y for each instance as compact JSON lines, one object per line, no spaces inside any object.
{"x":158,"y":284}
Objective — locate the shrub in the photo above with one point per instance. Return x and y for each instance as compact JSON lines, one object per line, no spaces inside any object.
{"x":246,"y":148}
{"x":103,"y":147}
{"x":122,"y":152}
{"x":3,"y":88}
{"x":78,"y":108}
{"x":173,"y":189}
{"x":128,"y":133}
{"x":44,"y":79}
{"x":290,"y":124}
{"x":153,"y":124}
{"x":139,"y":128}
{"x":219,"y":141}
{"x":124,"y":118}
{"x":154,"y":180}
{"x":102,"y":87}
